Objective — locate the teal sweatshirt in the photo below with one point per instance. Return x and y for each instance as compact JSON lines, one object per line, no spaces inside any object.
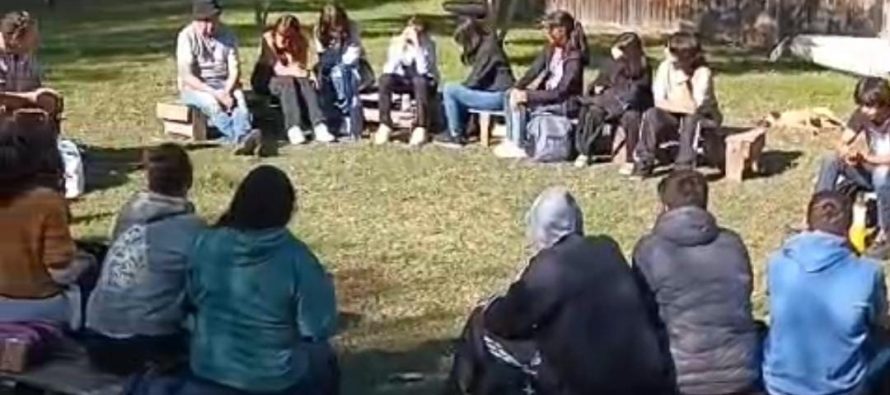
{"x":259,"y":298}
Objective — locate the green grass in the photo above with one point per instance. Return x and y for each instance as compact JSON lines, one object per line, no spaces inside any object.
{"x":414,"y":238}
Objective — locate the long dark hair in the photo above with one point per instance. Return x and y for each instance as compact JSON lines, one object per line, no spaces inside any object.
{"x":333,"y":25}
{"x":29,"y":155}
{"x":469,"y":35}
{"x":288,"y":26}
{"x":577,"y":40}
{"x":633,"y":58}
{"x":265,"y":200}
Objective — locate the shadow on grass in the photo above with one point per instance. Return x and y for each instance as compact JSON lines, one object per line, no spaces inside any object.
{"x":107,"y":167}
{"x":775,"y":162}
{"x":421,"y":369}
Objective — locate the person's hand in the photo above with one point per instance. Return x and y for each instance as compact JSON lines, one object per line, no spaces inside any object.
{"x":854,"y":157}
{"x":225,"y":99}
{"x":598,"y":89}
{"x":518,"y":97}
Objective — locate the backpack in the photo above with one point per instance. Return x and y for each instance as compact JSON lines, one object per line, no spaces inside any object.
{"x":550,"y":138}
{"x":26,"y":343}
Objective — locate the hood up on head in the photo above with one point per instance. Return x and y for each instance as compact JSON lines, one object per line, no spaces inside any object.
{"x":554,"y":216}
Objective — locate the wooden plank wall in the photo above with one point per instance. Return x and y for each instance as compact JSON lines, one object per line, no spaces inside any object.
{"x":854,"y":17}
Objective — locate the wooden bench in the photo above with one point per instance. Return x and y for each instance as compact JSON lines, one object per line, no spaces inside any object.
{"x":402,"y":115}
{"x":182,"y":121}
{"x":67,"y":372}
{"x":743,"y":152}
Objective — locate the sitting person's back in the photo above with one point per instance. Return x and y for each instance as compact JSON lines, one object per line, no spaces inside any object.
{"x":37,"y":253}
{"x":263,"y":301}
{"x":827,"y":309}
{"x":580,"y":303}
{"x":136,"y":313}
{"x":700,"y":276}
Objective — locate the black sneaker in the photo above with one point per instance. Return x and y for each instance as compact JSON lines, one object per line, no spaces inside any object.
{"x":642,"y":170}
{"x":448,"y":141}
{"x":250,"y":144}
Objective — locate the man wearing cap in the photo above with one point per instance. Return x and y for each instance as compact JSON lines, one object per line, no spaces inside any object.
{"x":209,"y":72}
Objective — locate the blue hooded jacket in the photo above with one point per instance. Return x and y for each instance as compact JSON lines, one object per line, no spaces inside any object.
{"x":824,"y":302}
{"x":260,"y":297}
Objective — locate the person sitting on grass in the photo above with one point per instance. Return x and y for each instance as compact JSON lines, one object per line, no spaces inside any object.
{"x":136,"y":313}
{"x":620,"y":94}
{"x":685,"y":105}
{"x":828,"y":310}
{"x":579,"y":302}
{"x":699,"y":275}
{"x":20,"y":81}
{"x":264,"y":306}
{"x":555,"y":77}
{"x":209,"y":73}
{"x":484,"y":89}
{"x":411,"y":67}
{"x":38,"y":257}
{"x":283,"y":70}
{"x":867,"y":169}
{"x":338,"y":43}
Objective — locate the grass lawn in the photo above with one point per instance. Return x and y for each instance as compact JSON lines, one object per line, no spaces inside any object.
{"x":414,"y":238}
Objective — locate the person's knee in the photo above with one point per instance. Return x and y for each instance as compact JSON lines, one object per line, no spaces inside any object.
{"x":830,"y":159}
{"x":450,"y":89}
{"x":385,"y":80}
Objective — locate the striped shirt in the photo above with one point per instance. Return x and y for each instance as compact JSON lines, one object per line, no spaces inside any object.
{"x":18,"y":72}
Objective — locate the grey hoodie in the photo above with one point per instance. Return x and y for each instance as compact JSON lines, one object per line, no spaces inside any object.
{"x":700,"y":276}
{"x":141,"y":289}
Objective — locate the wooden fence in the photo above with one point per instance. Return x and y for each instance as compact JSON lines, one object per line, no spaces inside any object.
{"x":734,"y":19}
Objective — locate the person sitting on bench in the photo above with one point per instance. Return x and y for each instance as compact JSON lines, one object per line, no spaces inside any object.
{"x":20,"y":82}
{"x":685,"y":105}
{"x":264,"y":305}
{"x":283,"y":70}
{"x":828,"y":310}
{"x":619,"y":95}
{"x":338,"y":43}
{"x":699,"y":275}
{"x":38,"y":257}
{"x":554,"y":78}
{"x":135,"y":314}
{"x":868,"y":169}
{"x":209,"y":72}
{"x":485,"y":87}
{"x":411,"y":67}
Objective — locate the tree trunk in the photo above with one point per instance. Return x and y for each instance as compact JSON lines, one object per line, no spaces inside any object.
{"x":261,"y":13}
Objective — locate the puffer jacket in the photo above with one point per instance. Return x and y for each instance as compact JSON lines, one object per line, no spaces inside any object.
{"x":699,"y":274}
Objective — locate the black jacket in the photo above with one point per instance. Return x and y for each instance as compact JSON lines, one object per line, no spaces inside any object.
{"x":700,"y":276}
{"x":571,"y":85}
{"x":491,"y":68}
{"x":634,"y":91}
{"x":580,"y":302}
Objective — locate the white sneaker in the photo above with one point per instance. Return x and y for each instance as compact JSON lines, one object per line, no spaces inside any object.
{"x":418,"y":137}
{"x":323,"y":135}
{"x":582,"y":161}
{"x":296,"y":135}
{"x":509,"y":150}
{"x":382,"y":135}
{"x":626,"y":169}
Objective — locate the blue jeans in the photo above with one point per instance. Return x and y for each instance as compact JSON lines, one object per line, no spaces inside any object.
{"x":340,"y":91}
{"x":232,"y":125}
{"x":459,"y":100}
{"x":517,"y":121}
{"x":876,"y":179}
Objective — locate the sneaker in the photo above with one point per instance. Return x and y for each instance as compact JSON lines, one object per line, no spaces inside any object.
{"x":448,"y":141}
{"x":642,"y":170}
{"x":626,"y":169}
{"x":249,"y":144}
{"x":382,"y":135}
{"x":509,"y":150}
{"x":418,"y":137}
{"x":296,"y":135}
{"x":323,"y":135}
{"x":582,"y":161}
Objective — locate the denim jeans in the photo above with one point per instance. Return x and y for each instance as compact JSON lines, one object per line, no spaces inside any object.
{"x":340,"y":92}
{"x":875,"y":179}
{"x":459,"y":100}
{"x":517,"y":121}
{"x":232,"y":125}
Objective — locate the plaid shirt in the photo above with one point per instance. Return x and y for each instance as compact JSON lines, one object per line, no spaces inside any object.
{"x":18,"y":73}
